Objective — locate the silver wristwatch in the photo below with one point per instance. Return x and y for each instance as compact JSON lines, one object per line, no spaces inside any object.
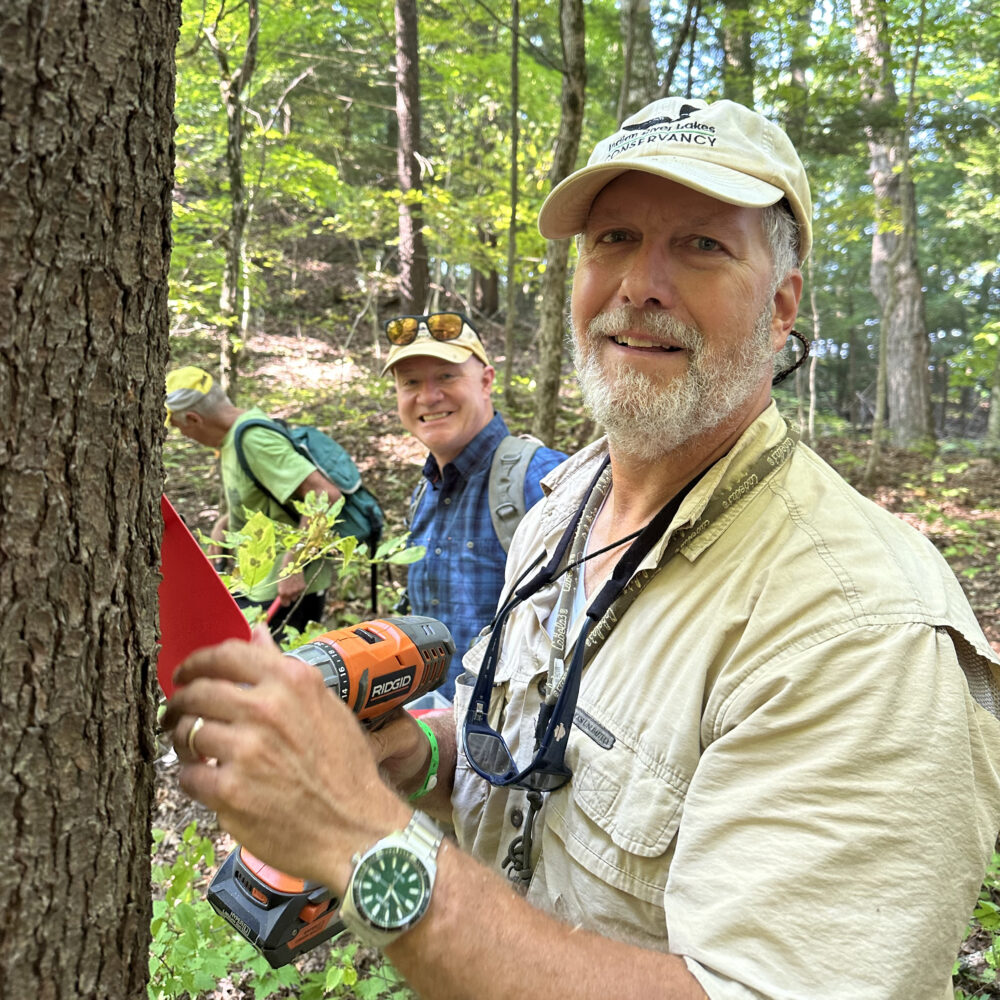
{"x":390,"y":887}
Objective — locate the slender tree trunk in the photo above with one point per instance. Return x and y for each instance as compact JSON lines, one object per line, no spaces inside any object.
{"x":686,"y":31}
{"x":413,"y":266}
{"x":233,"y":302}
{"x":993,"y":421}
{"x":86,"y":168}
{"x":817,"y":333}
{"x":639,"y":71}
{"x":795,"y":126}
{"x":799,"y":64}
{"x":515,"y":133}
{"x":551,"y":324}
{"x":895,"y":274}
{"x":735,"y":38}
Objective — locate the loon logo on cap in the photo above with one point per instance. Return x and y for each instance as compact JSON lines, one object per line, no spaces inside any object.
{"x":686,"y":111}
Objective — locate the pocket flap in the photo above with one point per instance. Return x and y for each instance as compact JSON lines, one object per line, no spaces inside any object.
{"x":639,"y":806}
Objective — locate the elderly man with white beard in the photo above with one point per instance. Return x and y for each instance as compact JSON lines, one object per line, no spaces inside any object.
{"x":734,"y":728}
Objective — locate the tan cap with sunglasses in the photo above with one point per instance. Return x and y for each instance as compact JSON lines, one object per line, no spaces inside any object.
{"x":448,"y":336}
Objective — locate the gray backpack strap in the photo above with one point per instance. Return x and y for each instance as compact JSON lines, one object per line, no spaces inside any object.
{"x":507,"y":475}
{"x":415,"y":498}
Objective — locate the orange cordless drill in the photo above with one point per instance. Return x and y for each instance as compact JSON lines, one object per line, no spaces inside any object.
{"x":373,"y":668}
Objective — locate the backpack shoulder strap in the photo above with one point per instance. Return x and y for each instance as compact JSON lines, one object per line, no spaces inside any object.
{"x":415,"y":498}
{"x":506,"y":488}
{"x":241,"y":457}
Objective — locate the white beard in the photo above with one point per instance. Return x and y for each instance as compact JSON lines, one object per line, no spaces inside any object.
{"x":646,"y":419}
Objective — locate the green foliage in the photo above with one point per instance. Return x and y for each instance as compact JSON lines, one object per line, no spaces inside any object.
{"x":257,"y":545}
{"x":322,"y":191}
{"x":975,"y":973}
{"x":193,"y":948}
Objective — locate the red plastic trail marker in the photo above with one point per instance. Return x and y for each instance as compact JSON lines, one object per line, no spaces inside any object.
{"x":196,"y":610}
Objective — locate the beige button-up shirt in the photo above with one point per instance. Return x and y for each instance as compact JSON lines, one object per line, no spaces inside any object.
{"x":778,"y":769}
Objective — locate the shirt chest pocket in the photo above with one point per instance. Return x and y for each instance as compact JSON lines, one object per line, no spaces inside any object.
{"x":619,"y":816}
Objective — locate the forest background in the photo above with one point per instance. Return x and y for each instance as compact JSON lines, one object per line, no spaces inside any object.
{"x":340,"y":164}
{"x":393,"y":161}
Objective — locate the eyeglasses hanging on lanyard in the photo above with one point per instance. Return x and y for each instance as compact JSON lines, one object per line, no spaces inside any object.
{"x":485,"y":748}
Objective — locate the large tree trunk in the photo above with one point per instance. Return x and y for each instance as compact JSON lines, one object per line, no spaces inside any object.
{"x":550,"y":333}
{"x":86,"y":165}
{"x":413,"y":269}
{"x":895,"y":274}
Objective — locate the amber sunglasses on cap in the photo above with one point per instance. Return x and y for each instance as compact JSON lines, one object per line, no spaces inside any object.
{"x":445,"y":326}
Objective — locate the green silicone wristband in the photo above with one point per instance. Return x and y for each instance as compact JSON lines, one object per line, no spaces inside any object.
{"x":431,"y":780}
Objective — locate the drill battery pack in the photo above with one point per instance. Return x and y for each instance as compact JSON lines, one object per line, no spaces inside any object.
{"x":280,"y":915}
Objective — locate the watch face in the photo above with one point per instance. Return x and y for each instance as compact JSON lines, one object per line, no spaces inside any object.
{"x":391,"y":888}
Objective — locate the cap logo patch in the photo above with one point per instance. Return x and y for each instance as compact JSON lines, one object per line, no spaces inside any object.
{"x":682,"y":129}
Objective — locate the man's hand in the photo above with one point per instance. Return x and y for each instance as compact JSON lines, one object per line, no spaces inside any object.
{"x":286,"y":765}
{"x":403,"y":753}
{"x":290,"y":588}
{"x":217,"y":534}
{"x":294,"y":778}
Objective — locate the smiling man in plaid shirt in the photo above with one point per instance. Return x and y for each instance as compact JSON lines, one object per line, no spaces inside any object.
{"x":444,"y":385}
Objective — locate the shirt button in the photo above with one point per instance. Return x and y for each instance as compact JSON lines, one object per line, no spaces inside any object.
{"x":470,"y":545}
{"x":435,"y":602}
{"x":447,"y":500}
{"x":516,"y":818}
{"x":437,"y":552}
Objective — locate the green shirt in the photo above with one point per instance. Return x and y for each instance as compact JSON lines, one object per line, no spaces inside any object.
{"x":282,"y":470}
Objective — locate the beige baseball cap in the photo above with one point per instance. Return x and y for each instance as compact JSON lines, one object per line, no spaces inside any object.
{"x":721,"y":149}
{"x":461,"y":344}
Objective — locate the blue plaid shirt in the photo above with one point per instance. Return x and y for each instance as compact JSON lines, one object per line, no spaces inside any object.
{"x":460,"y":578}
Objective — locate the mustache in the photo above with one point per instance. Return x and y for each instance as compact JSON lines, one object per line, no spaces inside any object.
{"x":658,"y":324}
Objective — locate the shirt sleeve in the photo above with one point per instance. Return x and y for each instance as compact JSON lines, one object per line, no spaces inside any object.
{"x":542,"y":463}
{"x":838,"y":824}
{"x":275,"y":463}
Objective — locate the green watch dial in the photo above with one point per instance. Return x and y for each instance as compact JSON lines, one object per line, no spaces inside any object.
{"x":391,"y":888}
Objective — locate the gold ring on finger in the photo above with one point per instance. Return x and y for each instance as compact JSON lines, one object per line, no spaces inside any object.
{"x":192,"y":733}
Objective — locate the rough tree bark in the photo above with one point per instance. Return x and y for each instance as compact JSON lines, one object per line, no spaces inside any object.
{"x":86,"y":166}
{"x":550,"y":333}
{"x":413,"y":269}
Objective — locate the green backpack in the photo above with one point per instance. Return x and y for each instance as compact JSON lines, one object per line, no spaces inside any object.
{"x":361,"y":515}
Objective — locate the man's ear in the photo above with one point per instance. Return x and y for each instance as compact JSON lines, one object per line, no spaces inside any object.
{"x":786,"y":308}
{"x":489,"y":374}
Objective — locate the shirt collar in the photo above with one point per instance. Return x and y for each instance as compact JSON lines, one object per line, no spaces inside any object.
{"x":477,"y":453}
{"x":569,"y":481}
